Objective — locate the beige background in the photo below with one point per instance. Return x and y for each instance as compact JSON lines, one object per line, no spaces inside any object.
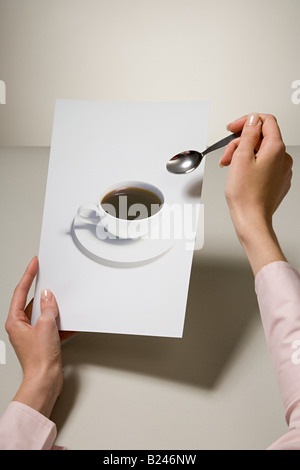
{"x":215,"y":388}
{"x":240,"y":54}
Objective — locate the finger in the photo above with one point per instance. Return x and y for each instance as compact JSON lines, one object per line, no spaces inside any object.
{"x":270,"y":126}
{"x":230,"y":149}
{"x":19,"y":298}
{"x":47,"y":321}
{"x":48,"y":304}
{"x":289,"y":160}
{"x":237,"y":125}
{"x":270,"y":129}
{"x":250,"y":135}
{"x":228,"y":152}
{"x":272,"y":138}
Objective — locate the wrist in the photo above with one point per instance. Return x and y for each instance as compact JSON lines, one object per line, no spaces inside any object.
{"x":40,"y":391}
{"x":259,"y":240}
{"x":248,"y":226}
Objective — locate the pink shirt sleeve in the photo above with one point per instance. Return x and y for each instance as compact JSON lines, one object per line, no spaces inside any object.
{"x":277,"y":287}
{"x":22,"y":428}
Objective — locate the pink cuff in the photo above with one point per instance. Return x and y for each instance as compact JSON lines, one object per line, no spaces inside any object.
{"x":273,"y":268}
{"x":23,"y":428}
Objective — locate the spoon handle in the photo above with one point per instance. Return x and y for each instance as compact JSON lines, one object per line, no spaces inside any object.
{"x":221,"y":143}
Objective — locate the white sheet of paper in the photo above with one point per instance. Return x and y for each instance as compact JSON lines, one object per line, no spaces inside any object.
{"x":96,"y":144}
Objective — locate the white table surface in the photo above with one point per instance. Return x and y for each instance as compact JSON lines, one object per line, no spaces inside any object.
{"x":213,"y":389}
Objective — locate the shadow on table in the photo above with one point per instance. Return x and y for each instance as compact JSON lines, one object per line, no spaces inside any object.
{"x":220,"y":305}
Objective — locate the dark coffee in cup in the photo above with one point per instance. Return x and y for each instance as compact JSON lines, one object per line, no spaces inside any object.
{"x":131,"y":203}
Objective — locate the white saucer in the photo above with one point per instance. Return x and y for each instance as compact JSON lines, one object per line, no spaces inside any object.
{"x":117,"y":252}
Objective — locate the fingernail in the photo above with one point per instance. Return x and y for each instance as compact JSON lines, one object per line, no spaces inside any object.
{"x":228,"y":126}
{"x":46,"y":295}
{"x":220,"y":164}
{"x":252,"y":119}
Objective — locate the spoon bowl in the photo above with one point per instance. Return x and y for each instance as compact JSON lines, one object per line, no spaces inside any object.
{"x":187,"y":161}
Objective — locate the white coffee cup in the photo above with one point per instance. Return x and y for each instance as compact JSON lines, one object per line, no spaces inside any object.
{"x":119,"y":227}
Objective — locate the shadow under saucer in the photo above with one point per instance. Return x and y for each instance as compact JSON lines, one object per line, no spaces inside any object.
{"x":114,"y":251}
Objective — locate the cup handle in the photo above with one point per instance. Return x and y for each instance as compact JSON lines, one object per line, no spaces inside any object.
{"x":87,"y":219}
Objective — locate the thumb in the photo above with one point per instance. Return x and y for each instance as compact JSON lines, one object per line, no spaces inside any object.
{"x":49,"y":306}
{"x":250,"y":135}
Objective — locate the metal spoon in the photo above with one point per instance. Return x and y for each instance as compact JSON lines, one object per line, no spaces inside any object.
{"x":188,"y":161}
